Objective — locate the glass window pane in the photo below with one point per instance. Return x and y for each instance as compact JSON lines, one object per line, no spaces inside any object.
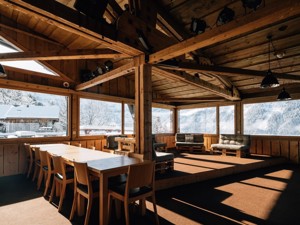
{"x":201,"y":120}
{"x":226,"y":119}
{"x":99,"y":117}
{"x":162,"y":120}
{"x":129,"y":119}
{"x":272,"y":118}
{"x":31,"y":114}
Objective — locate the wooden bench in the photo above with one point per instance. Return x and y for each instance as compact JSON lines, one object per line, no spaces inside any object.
{"x":231,"y":144}
{"x":189,"y":142}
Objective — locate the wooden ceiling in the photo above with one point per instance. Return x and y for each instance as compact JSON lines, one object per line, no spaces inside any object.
{"x":225,"y":63}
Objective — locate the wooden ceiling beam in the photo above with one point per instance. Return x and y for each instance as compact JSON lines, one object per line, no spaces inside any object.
{"x":202,"y":99}
{"x":226,"y":71}
{"x":118,"y":72}
{"x":62,"y":55}
{"x":225,"y":93}
{"x":261,"y":18}
{"x":75,"y":22}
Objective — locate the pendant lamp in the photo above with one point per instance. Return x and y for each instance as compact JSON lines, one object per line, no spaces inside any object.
{"x":2,"y":71}
{"x":284,"y":95}
{"x":270,"y":80}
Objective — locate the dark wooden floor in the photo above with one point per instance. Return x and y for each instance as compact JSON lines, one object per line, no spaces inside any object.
{"x":268,"y":195}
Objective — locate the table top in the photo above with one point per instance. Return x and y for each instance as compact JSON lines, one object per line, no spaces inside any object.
{"x":97,"y":161}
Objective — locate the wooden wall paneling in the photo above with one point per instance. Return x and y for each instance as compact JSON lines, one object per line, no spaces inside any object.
{"x":206,"y":142}
{"x":22,"y":159}
{"x":103,"y":143}
{"x":113,"y":87}
{"x":259,"y":146}
{"x":98,"y":145}
{"x":83,"y":144}
{"x":253,"y":149}
{"x":1,"y":161}
{"x":294,"y":151}
{"x":90,"y":143}
{"x":284,"y":148}
{"x":266,"y":146}
{"x":209,"y":142}
{"x":275,"y":146}
{"x":11,"y":159}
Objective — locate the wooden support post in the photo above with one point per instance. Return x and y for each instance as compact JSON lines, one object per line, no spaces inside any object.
{"x":143,"y":107}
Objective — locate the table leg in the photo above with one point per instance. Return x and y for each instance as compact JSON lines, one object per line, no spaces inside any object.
{"x":103,"y":199}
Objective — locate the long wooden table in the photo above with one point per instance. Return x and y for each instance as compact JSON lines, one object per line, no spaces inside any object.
{"x":101,"y":164}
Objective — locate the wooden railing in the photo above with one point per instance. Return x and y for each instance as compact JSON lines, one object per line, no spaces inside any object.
{"x":12,"y":155}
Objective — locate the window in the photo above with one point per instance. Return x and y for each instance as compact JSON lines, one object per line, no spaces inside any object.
{"x":30,"y":114}
{"x":201,"y":120}
{"x":100,"y":117}
{"x":162,"y":120}
{"x":6,"y":47}
{"x":272,"y":118}
{"x":129,"y":119}
{"x":226,"y":119}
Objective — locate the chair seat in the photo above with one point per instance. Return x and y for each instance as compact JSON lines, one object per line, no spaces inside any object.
{"x":133,"y":192}
{"x":163,"y":156}
{"x":84,"y":188}
{"x":117,"y":180}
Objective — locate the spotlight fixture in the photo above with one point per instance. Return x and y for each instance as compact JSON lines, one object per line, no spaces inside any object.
{"x":198,"y":26}
{"x":270,"y":80}
{"x":91,"y":8}
{"x":283,"y":95}
{"x":251,"y":4}
{"x":225,"y":16}
{"x":197,"y":75}
{"x":108,"y":65}
{"x":2,"y":71}
{"x":66,"y":84}
{"x":99,"y":71}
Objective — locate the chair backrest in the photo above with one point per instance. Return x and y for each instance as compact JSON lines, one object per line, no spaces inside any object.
{"x":140,"y":175}
{"x":81,"y":173}
{"x":43,"y":158}
{"x":28,"y":151}
{"x":135,"y":155}
{"x":58,"y":165}
{"x":37,"y":154}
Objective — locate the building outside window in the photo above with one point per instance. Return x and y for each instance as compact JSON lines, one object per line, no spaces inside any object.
{"x":32,"y":114}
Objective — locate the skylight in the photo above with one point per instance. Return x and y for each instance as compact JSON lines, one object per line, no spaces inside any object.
{"x":29,"y":65}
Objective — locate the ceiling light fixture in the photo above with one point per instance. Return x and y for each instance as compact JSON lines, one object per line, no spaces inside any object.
{"x":198,"y":26}
{"x":284,"y":95}
{"x":225,"y":16}
{"x":270,"y":80}
{"x":251,"y":4}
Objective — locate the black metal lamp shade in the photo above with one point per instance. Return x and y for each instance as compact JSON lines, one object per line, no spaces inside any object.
{"x":284,"y":95}
{"x":269,"y":81}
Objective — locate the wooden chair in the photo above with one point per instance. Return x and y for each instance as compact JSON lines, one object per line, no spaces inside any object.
{"x":61,"y":177}
{"x":46,"y":170}
{"x":139,"y":186}
{"x":84,"y":186}
{"x":29,"y":158}
{"x":37,"y":163}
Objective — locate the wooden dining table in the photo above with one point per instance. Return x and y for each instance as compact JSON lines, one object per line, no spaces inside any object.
{"x":100,"y":164}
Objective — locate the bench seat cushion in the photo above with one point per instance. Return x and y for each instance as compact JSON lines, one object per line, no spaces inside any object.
{"x":230,"y":146}
{"x":164,"y":156}
{"x":189,"y":144}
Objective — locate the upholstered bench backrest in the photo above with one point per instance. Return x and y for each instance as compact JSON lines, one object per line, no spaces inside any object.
{"x":184,"y":137}
{"x":232,"y":139}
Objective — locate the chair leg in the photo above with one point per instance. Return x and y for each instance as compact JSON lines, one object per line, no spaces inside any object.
{"x":29,"y":169}
{"x":36,"y":168}
{"x":47,"y":184}
{"x":62,"y":195}
{"x":88,"y":211}
{"x":52,"y":190}
{"x":40,"y":178}
{"x":155,"y":210}
{"x":126,"y":208}
{"x":73,"y":205}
